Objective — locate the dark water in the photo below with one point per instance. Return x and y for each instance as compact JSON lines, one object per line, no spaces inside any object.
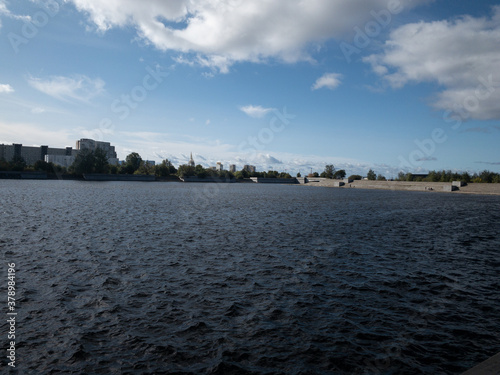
{"x":164,"y":278}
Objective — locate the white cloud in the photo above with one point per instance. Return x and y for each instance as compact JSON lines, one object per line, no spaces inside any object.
{"x":6,"y":88}
{"x":216,"y":34}
{"x":34,"y":134}
{"x":461,"y":55}
{"x":267,"y":159}
{"x":4,"y":11}
{"x":328,"y":80}
{"x":255,"y":111}
{"x":38,"y":110}
{"x":77,"y":87}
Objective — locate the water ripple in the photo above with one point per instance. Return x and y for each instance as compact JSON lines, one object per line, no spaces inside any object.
{"x":169,"y":278}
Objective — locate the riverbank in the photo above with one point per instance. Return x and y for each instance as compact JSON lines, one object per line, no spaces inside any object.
{"x":473,"y":188}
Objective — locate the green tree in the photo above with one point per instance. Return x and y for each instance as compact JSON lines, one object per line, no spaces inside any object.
{"x":299,"y":175}
{"x":486,"y":176}
{"x":126,"y":169}
{"x":444,"y":177}
{"x":381,"y":178}
{"x":355,"y":177}
{"x":162,"y":169}
{"x":329,"y":171}
{"x":84,"y":162}
{"x":271,"y":174}
{"x":4,"y":165}
{"x":225,"y":174}
{"x":185,"y":171}
{"x":165,"y":169}
{"x":41,"y":165}
{"x":466,"y":177}
{"x":202,"y":173}
{"x":101,"y":164}
{"x":145,"y":168}
{"x":371,"y":175}
{"x":134,"y":160}
{"x":432,"y":176}
{"x":242,"y":174}
{"x":339,"y":174}
{"x":17,"y":163}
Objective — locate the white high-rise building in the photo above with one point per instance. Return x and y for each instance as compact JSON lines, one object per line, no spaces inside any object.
{"x":90,"y":144}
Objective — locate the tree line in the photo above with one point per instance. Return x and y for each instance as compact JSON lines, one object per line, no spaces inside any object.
{"x":449,"y":176}
{"x":433,"y":176}
{"x":96,"y":161}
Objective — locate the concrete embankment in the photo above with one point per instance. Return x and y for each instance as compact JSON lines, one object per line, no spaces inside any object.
{"x":23,"y":175}
{"x":491,"y":189}
{"x":117,"y":177}
{"x":262,"y":180}
{"x":207,"y":179}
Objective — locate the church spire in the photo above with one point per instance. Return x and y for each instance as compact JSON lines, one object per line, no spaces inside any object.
{"x":191,"y":161}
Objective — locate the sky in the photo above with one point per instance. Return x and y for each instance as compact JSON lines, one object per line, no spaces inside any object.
{"x":288,"y":85}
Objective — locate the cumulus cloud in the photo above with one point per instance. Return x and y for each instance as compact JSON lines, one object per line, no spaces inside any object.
{"x":217,"y":34}
{"x":268,"y":159}
{"x":6,"y":88}
{"x":460,"y":55}
{"x":255,"y":111}
{"x":35,"y":134}
{"x":328,"y":80}
{"x":77,"y":87}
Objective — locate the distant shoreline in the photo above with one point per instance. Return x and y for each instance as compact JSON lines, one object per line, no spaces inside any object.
{"x":431,"y":187}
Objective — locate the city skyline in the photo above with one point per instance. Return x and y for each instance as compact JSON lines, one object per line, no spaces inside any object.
{"x":382,"y":85}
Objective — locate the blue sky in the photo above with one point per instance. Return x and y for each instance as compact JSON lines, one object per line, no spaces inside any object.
{"x":285,"y":84}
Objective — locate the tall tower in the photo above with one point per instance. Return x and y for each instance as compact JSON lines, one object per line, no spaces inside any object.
{"x":191,"y":161}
